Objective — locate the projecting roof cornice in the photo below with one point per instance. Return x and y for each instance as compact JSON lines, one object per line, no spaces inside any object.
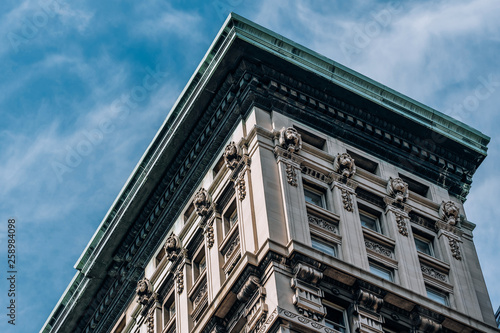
{"x":247,"y":65}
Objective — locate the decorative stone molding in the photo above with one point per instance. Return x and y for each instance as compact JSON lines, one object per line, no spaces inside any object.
{"x":328,"y":179}
{"x":401,"y":223}
{"x":209,"y":233}
{"x":448,"y":211}
{"x":201,"y":293}
{"x":299,"y":320}
{"x":151,"y":322}
{"x":369,"y":301}
{"x":179,"y":280}
{"x":290,"y":139}
{"x":425,"y":321}
{"x":202,"y":202}
{"x":144,"y":290}
{"x":397,"y":188}
{"x":241,"y":187}
{"x":433,"y":273}
{"x":172,"y":247}
{"x":375,"y":247}
{"x":454,"y":248}
{"x":346,"y":199}
{"x":291,"y":175}
{"x":308,"y":295}
{"x":232,"y":155}
{"x":248,"y":289}
{"x":235,"y":243}
{"x":344,"y":165}
{"x":322,"y":223}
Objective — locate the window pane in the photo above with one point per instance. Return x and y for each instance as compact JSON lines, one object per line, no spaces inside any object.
{"x":314,"y":198}
{"x":437,"y":296}
{"x":335,"y":319}
{"x":382,"y":272}
{"x":423,"y":246}
{"x":324,"y":247}
{"x":369,"y":222}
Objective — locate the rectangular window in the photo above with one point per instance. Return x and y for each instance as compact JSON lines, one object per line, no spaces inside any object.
{"x":423,"y":245}
{"x":415,"y":186}
{"x":315,"y":196}
{"x":364,"y":163}
{"x":230,"y":217}
{"x":437,"y":296}
{"x":381,"y":271}
{"x":169,"y":310}
{"x":324,"y":246}
{"x":370,"y":221}
{"x":335,"y":318}
{"x":199,"y":264}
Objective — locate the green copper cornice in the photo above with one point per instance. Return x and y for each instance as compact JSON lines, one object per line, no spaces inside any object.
{"x":357,"y":83}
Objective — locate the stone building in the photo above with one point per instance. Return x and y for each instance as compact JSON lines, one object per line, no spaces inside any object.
{"x":287,"y":193}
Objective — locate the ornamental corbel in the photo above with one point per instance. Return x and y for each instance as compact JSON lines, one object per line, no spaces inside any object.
{"x":290,"y":139}
{"x":448,"y":212}
{"x":308,"y":296}
{"x":344,"y":165}
{"x":232,"y":155}
{"x":397,"y":189}
{"x":202,"y":202}
{"x":144,"y":291}
{"x":426,"y":321}
{"x":172,"y":247}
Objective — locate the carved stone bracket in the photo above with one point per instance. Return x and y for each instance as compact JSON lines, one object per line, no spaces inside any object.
{"x":144,"y":290}
{"x":202,"y":202}
{"x":254,"y":295}
{"x":172,"y":247}
{"x":290,"y":139}
{"x":232,"y":155}
{"x":448,"y":212}
{"x":397,"y":189}
{"x":426,"y":321}
{"x":344,"y":165}
{"x":308,"y":296}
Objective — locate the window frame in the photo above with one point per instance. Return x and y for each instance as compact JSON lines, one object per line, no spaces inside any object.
{"x":426,"y":240}
{"x":322,"y":241}
{"x":440,"y":295}
{"x":166,"y":308}
{"x":199,"y":257}
{"x":335,"y":325}
{"x":376,"y":219}
{"x":381,"y":268}
{"x":321,"y":192}
{"x":228,"y":213}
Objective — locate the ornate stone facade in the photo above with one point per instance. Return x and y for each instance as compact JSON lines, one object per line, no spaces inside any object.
{"x":344,"y":165}
{"x":202,"y":202}
{"x":398,"y":189}
{"x":290,"y":139}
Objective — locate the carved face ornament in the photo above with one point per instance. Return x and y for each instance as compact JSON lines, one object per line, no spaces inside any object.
{"x":449,"y":212}
{"x":344,"y":164}
{"x":398,"y":188}
{"x":290,"y":139}
{"x":231,"y":156}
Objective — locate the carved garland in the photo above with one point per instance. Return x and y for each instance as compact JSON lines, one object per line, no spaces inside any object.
{"x":291,"y":175}
{"x":240,"y":184}
{"x":179,"y":279}
{"x":346,"y":200}
{"x":455,"y":249}
{"x":209,"y":233}
{"x":400,"y":221}
{"x":151,"y":323}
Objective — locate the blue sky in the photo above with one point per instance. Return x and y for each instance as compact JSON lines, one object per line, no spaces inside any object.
{"x":68,"y":143}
